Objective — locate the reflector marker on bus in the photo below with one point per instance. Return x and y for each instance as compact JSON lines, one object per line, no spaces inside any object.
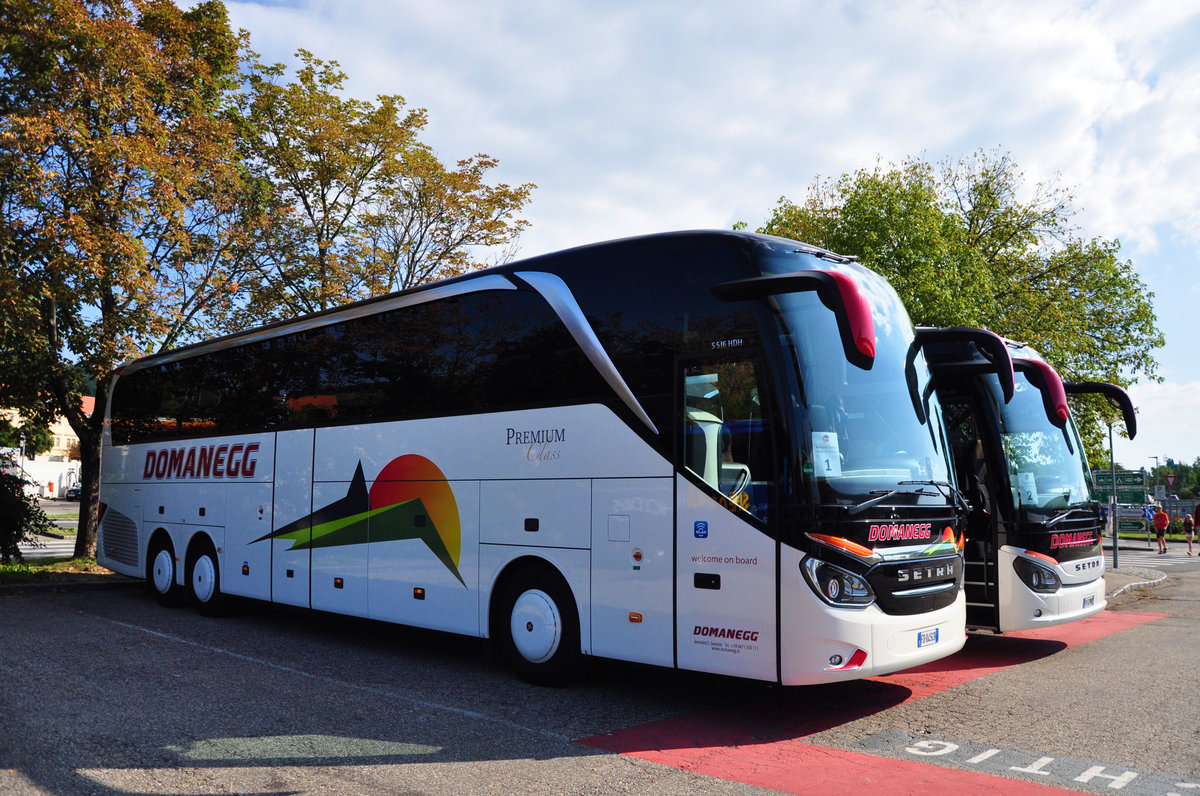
{"x":562,"y":301}
{"x":856,"y":661}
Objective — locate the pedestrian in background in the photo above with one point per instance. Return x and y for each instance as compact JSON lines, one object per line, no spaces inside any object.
{"x":1161,"y":521}
{"x":1189,"y":530}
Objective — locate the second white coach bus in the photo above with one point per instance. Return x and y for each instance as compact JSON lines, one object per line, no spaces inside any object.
{"x":703,"y":450}
{"x":1034,"y":554}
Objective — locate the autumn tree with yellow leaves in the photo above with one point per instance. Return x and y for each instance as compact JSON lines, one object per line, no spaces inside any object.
{"x":118,"y":183}
{"x":159,"y":185}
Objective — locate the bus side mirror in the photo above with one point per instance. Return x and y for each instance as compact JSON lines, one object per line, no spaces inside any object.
{"x":837,"y":291}
{"x":1048,"y":383}
{"x":1113,"y":394}
{"x":990,"y":344}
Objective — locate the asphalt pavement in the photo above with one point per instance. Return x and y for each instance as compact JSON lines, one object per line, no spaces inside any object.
{"x":271,"y":701}
{"x":275,"y":701}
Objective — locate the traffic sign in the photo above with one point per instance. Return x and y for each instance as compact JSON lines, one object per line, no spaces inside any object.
{"x":1124,"y":477}
{"x":1130,"y":512}
{"x":1171,"y":479}
{"x":1131,"y":525}
{"x":1124,"y":495}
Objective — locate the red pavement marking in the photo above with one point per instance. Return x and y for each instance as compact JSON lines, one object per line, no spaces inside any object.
{"x":759,"y":741}
{"x":805,"y":769}
{"x":986,"y":654}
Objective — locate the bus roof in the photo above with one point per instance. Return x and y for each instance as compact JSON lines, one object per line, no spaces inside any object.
{"x":494,"y":278}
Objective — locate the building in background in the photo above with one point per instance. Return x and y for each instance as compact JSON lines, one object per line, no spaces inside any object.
{"x":54,"y":472}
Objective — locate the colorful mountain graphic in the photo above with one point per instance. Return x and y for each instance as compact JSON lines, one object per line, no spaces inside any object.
{"x":410,"y":499}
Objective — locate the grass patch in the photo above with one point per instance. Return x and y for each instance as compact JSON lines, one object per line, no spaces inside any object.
{"x":65,"y":516}
{"x":53,"y":570}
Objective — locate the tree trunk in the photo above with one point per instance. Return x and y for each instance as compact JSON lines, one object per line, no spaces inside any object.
{"x":89,"y":493}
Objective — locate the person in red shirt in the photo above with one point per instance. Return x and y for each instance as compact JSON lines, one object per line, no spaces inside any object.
{"x":1161,"y":521}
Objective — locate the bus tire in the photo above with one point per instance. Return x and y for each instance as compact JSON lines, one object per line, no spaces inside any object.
{"x":204,"y":579}
{"x":160,"y":572}
{"x":536,"y":626}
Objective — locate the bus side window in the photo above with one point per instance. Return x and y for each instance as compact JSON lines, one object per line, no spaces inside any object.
{"x":726,"y":442}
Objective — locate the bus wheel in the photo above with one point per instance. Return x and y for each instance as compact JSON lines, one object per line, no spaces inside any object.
{"x":537,"y":627}
{"x":160,"y":572}
{"x":204,"y":581}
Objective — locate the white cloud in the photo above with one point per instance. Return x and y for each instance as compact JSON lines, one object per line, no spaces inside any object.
{"x":777,"y":92}
{"x":635,"y":117}
{"x":1168,"y":425}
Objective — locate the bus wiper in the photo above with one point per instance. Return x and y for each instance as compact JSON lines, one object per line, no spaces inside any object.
{"x":884,"y":494}
{"x":951,"y":492}
{"x":1060,"y":517}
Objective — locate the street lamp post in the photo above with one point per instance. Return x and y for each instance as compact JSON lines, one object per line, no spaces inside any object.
{"x":1112,"y":500}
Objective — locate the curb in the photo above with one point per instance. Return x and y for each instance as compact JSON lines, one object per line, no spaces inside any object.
{"x":1152,"y":578}
{"x":69,"y":586}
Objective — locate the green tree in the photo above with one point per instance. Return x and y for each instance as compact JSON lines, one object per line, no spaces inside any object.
{"x":21,"y":518}
{"x":1187,"y":478}
{"x":357,"y":206}
{"x":38,"y":438}
{"x":118,"y":190}
{"x":968,"y":243}
{"x":895,"y":220}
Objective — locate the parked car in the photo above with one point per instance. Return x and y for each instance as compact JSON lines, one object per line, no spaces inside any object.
{"x":72,"y":493}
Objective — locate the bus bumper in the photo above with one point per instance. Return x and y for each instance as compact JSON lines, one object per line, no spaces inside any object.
{"x":834,"y":644}
{"x":1021,"y":608}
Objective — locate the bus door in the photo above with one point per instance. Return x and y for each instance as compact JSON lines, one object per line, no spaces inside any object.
{"x":726,"y":561}
{"x":977,"y":477}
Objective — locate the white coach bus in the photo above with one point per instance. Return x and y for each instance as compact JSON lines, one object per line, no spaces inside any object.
{"x":706,"y":450}
{"x":1034,"y":555}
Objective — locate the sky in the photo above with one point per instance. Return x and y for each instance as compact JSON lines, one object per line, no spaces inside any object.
{"x":635,"y":117}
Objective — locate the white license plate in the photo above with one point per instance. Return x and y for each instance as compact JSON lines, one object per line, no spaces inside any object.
{"x":926,"y":638}
{"x":1089,"y":601}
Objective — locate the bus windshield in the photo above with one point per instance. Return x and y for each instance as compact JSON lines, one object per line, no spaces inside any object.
{"x":860,"y":437}
{"x":1045,"y":474}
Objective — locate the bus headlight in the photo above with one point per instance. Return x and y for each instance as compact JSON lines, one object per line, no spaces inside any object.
{"x":1035,"y":576}
{"x":835,"y":585}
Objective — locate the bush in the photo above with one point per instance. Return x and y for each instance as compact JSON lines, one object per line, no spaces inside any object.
{"x":20,"y":515}
{"x":1176,"y":525}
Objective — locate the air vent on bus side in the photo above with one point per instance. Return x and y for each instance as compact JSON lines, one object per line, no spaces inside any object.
{"x":118,"y":538}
